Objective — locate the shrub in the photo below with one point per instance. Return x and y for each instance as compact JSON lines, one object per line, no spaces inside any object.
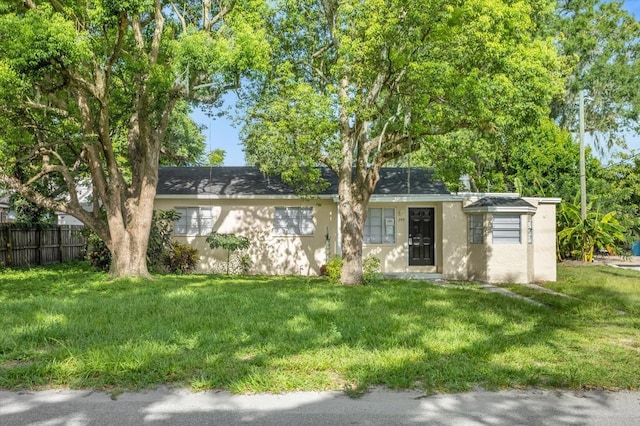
{"x":371,"y":270}
{"x":180,"y":258}
{"x":160,"y":236}
{"x":334,"y":269}
{"x":98,"y":253}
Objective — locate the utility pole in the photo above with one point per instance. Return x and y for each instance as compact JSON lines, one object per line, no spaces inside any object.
{"x":583,"y":174}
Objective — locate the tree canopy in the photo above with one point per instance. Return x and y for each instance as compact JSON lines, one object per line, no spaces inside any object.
{"x":94,"y":93}
{"x":356,"y":84}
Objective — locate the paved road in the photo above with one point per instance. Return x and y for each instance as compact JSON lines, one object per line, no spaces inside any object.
{"x":379,"y":407}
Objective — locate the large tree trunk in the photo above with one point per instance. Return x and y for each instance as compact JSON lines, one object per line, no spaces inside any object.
{"x":353,"y":218}
{"x":354,"y":195}
{"x":129,"y":243}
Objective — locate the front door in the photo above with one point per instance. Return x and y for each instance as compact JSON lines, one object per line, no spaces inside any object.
{"x":421,"y":233}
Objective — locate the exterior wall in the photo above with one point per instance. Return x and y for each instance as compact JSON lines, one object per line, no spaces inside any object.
{"x":509,"y":263}
{"x":456,"y":255}
{"x":478,"y":253}
{"x":253,"y":218}
{"x":395,"y":257}
{"x":544,"y":241}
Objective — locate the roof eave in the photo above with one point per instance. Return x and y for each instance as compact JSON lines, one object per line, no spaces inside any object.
{"x":501,"y":209}
{"x":207,"y":196}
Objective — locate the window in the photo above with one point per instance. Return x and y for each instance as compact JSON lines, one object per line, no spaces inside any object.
{"x":506,"y":229}
{"x":380,"y":227}
{"x":476,"y":229}
{"x":193,"y":221}
{"x":293,"y":221}
{"x":530,"y":230}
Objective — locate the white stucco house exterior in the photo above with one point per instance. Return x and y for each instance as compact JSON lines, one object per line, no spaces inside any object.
{"x":414,"y":225}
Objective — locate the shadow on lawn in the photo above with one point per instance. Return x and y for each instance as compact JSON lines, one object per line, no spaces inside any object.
{"x":280,"y":334}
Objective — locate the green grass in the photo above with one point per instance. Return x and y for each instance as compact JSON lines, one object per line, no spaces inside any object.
{"x":67,"y":326}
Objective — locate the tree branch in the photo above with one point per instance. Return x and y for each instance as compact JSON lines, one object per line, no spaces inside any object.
{"x":157,"y":34}
{"x":183,"y":22}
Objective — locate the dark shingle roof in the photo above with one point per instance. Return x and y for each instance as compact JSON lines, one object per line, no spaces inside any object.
{"x":499,"y":202}
{"x":238,"y":181}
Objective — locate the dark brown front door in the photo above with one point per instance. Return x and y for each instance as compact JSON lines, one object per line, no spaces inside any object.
{"x":421,"y":232}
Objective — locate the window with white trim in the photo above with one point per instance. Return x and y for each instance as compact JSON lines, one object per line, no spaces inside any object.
{"x":506,"y":228}
{"x":380,"y":226}
{"x":193,"y":221}
{"x":530,"y":229}
{"x":293,"y":221}
{"x":476,"y":229}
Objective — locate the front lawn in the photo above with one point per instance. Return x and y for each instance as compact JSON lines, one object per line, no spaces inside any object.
{"x":67,"y":326}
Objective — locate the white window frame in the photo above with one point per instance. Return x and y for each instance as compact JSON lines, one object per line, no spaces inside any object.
{"x":380,"y":226}
{"x":193,"y":221}
{"x":293,"y":221}
{"x":506,"y":228}
{"x":476,"y":228}
{"x":530,"y":229}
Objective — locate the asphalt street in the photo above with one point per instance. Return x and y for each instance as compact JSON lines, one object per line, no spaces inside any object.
{"x":169,"y":406}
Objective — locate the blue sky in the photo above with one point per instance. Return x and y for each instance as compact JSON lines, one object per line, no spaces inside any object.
{"x":220,"y":132}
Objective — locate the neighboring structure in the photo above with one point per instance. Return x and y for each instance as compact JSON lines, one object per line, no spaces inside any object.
{"x":414,"y":225}
{"x":4,"y":210}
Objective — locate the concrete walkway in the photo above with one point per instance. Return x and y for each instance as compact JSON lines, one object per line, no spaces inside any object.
{"x":503,"y":291}
{"x":378,"y":407}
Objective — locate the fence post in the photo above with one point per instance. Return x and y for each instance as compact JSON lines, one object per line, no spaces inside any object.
{"x":9,"y":247}
{"x":39,"y":245}
{"x":60,"y":247}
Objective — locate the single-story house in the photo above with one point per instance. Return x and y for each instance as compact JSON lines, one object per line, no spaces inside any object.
{"x":414,"y":225}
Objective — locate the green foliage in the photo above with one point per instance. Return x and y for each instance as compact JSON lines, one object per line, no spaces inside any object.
{"x":371,"y":270}
{"x":356,"y":85}
{"x":160,"y":242}
{"x":215,"y":157}
{"x":185,"y":143}
{"x":30,"y":213}
{"x":160,"y":236}
{"x":599,"y":40}
{"x":98,"y":253}
{"x":245,"y":264}
{"x":579,"y":239}
{"x":230,"y":243}
{"x":333,"y":269}
{"x":180,"y":258}
{"x":102,"y":92}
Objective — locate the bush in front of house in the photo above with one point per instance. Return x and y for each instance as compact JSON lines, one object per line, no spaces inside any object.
{"x":98,"y":253}
{"x":160,"y":237}
{"x":163,"y":254}
{"x":180,"y":258}
{"x":370,"y":270}
{"x":333,"y":270}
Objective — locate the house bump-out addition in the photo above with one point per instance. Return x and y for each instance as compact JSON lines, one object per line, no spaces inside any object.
{"x":414,"y":225}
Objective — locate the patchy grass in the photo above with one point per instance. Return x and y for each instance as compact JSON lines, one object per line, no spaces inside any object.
{"x":67,"y":326}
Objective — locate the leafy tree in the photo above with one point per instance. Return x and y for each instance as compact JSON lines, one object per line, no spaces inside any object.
{"x":184,"y":143}
{"x":91,"y":92}
{"x":601,"y":42}
{"x":216,"y":157}
{"x":580,"y":238}
{"x":357,"y":84}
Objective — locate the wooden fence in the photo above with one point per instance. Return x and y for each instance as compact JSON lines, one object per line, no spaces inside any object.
{"x":23,"y":245}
